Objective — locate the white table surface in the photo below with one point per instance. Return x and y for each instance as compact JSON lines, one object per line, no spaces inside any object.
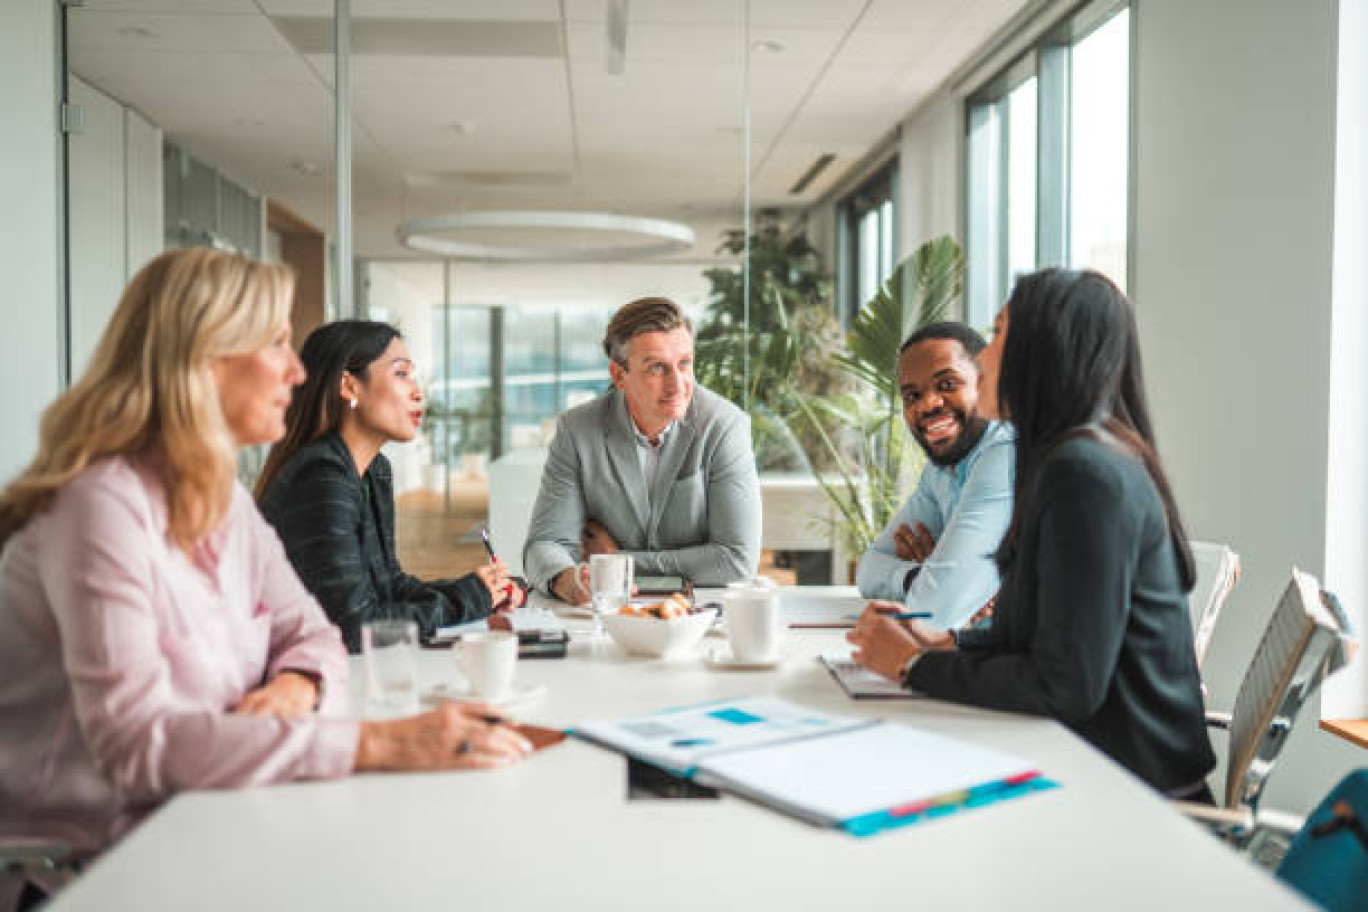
{"x":556,"y":832}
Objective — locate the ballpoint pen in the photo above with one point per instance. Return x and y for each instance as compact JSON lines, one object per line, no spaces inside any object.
{"x":494,"y":558}
{"x":898,"y":616}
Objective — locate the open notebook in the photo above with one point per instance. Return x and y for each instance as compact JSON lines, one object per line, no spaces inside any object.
{"x":859,"y":682}
{"x":860,"y":775}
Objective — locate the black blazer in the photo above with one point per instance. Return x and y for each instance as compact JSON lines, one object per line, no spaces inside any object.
{"x":1091,"y":625}
{"x":338,"y":529}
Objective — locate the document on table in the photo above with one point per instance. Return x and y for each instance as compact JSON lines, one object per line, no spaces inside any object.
{"x":526,"y":617}
{"x":870,"y":778}
{"x":803,"y":608}
{"x":859,"y":682}
{"x":861,"y":775}
{"x":678,"y":739}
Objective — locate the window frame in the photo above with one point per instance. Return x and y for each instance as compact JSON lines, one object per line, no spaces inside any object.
{"x":1049,"y":60}
{"x":878,"y":190}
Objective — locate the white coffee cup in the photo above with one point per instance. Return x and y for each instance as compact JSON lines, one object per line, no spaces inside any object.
{"x":753,"y":621}
{"x":488,"y":661}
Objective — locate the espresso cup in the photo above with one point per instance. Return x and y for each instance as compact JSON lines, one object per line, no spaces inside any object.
{"x":488,"y":661}
{"x":753,"y":621}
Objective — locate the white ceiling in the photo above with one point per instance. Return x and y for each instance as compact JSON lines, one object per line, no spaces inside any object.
{"x":545,"y":130}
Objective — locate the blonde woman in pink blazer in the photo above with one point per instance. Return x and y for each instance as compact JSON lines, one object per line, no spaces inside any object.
{"x":153,"y":634}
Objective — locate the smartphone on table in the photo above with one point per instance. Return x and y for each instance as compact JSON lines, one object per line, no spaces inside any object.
{"x":662,"y":584}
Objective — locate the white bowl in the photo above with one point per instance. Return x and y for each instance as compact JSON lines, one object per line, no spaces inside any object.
{"x":654,"y":637}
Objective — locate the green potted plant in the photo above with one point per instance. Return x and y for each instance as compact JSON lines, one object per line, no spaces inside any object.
{"x":783,"y":353}
{"x":861,"y":432}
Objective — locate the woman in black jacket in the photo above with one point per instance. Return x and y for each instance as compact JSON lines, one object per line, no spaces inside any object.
{"x":329,"y":492}
{"x":1091,"y":624}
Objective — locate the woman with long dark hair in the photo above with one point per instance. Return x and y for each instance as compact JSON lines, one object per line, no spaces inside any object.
{"x":1091,"y":624}
{"x":329,"y":491}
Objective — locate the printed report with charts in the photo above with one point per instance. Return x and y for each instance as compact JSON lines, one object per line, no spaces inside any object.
{"x":860,"y":775}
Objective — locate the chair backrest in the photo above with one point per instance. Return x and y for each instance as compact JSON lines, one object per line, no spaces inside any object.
{"x":1306,"y":638}
{"x":1328,"y":860}
{"x":1218,"y":571}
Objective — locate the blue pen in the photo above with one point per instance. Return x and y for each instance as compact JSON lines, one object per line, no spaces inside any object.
{"x":899,"y":616}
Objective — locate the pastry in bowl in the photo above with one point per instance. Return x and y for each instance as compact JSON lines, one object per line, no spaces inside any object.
{"x":667,"y":629}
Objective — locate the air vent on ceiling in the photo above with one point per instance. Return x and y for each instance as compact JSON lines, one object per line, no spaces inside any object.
{"x":811,"y":174}
{"x":426,"y":37}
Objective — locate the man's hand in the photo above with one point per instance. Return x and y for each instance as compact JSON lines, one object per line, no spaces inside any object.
{"x":913,"y":544}
{"x":594,"y":539}
{"x":289,"y":695}
{"x":571,"y":585}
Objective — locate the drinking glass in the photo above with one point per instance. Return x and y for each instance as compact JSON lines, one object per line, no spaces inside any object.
{"x":389,"y":653}
{"x":610,"y":586}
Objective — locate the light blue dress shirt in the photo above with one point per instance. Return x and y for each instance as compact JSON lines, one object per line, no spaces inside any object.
{"x":966,"y":507}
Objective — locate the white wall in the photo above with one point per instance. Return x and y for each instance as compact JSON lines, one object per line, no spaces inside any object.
{"x":116,"y":211}
{"x":1346,"y":534}
{"x":930,"y":174}
{"x":1232,"y":255}
{"x":29,"y":369}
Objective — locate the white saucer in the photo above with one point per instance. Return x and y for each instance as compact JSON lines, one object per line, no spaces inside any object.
{"x":721,"y":658}
{"x":519,"y":694}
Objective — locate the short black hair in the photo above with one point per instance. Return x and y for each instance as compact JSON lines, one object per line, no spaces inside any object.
{"x":954,"y":330}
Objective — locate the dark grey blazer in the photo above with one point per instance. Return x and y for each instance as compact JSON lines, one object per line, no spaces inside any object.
{"x":1091,"y":625}
{"x":338,"y":530}
{"x":702,"y":520}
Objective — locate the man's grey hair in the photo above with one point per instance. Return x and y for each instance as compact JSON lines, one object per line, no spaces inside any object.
{"x":641,"y":316}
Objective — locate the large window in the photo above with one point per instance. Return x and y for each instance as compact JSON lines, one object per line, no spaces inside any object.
{"x":1048,"y":159}
{"x":867,"y":228}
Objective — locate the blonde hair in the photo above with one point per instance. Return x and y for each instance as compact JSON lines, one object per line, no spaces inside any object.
{"x":150,"y":387}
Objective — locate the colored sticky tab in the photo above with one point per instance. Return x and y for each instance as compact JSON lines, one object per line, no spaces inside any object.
{"x":917,"y":811}
{"x":736,"y":716}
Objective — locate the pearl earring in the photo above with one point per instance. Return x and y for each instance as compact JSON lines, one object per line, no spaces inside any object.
{"x":351,"y":403}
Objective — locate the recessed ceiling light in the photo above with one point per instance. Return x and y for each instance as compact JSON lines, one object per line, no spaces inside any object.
{"x":137,"y":31}
{"x":765,"y":46}
{"x":461,"y":127}
{"x":307,"y":168}
{"x":248,"y":122}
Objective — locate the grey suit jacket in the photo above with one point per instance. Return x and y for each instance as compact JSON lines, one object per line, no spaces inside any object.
{"x":702,"y":520}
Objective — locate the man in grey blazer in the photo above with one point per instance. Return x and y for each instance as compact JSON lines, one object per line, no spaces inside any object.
{"x":654,"y":468}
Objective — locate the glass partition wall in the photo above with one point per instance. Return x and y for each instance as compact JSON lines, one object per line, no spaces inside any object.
{"x":517,"y":173}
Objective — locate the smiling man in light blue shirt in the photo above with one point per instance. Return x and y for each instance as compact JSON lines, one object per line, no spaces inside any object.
{"x":937,"y":553}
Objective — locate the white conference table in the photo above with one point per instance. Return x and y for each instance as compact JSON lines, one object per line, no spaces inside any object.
{"x":557,"y":831}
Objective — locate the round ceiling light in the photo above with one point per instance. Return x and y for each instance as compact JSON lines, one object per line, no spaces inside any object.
{"x":661,"y":237}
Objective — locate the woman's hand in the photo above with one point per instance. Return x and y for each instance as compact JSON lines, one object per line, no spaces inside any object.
{"x":289,"y":695}
{"x":882,"y":644}
{"x":885,"y":645}
{"x":927,"y":637}
{"x":452,"y":736}
{"x":494,"y":575}
{"x":513,"y":597}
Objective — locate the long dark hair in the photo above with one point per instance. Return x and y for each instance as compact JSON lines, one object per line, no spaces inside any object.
{"x":350,"y":346}
{"x":1070,"y":367}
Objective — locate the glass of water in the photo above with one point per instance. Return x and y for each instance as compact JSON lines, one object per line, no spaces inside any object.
{"x":610,"y":585}
{"x":389,"y":653}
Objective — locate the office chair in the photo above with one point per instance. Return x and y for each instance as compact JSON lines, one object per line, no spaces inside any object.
{"x":1327,"y":862}
{"x":48,"y":865}
{"x":1306,"y":639}
{"x":1218,"y":572}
